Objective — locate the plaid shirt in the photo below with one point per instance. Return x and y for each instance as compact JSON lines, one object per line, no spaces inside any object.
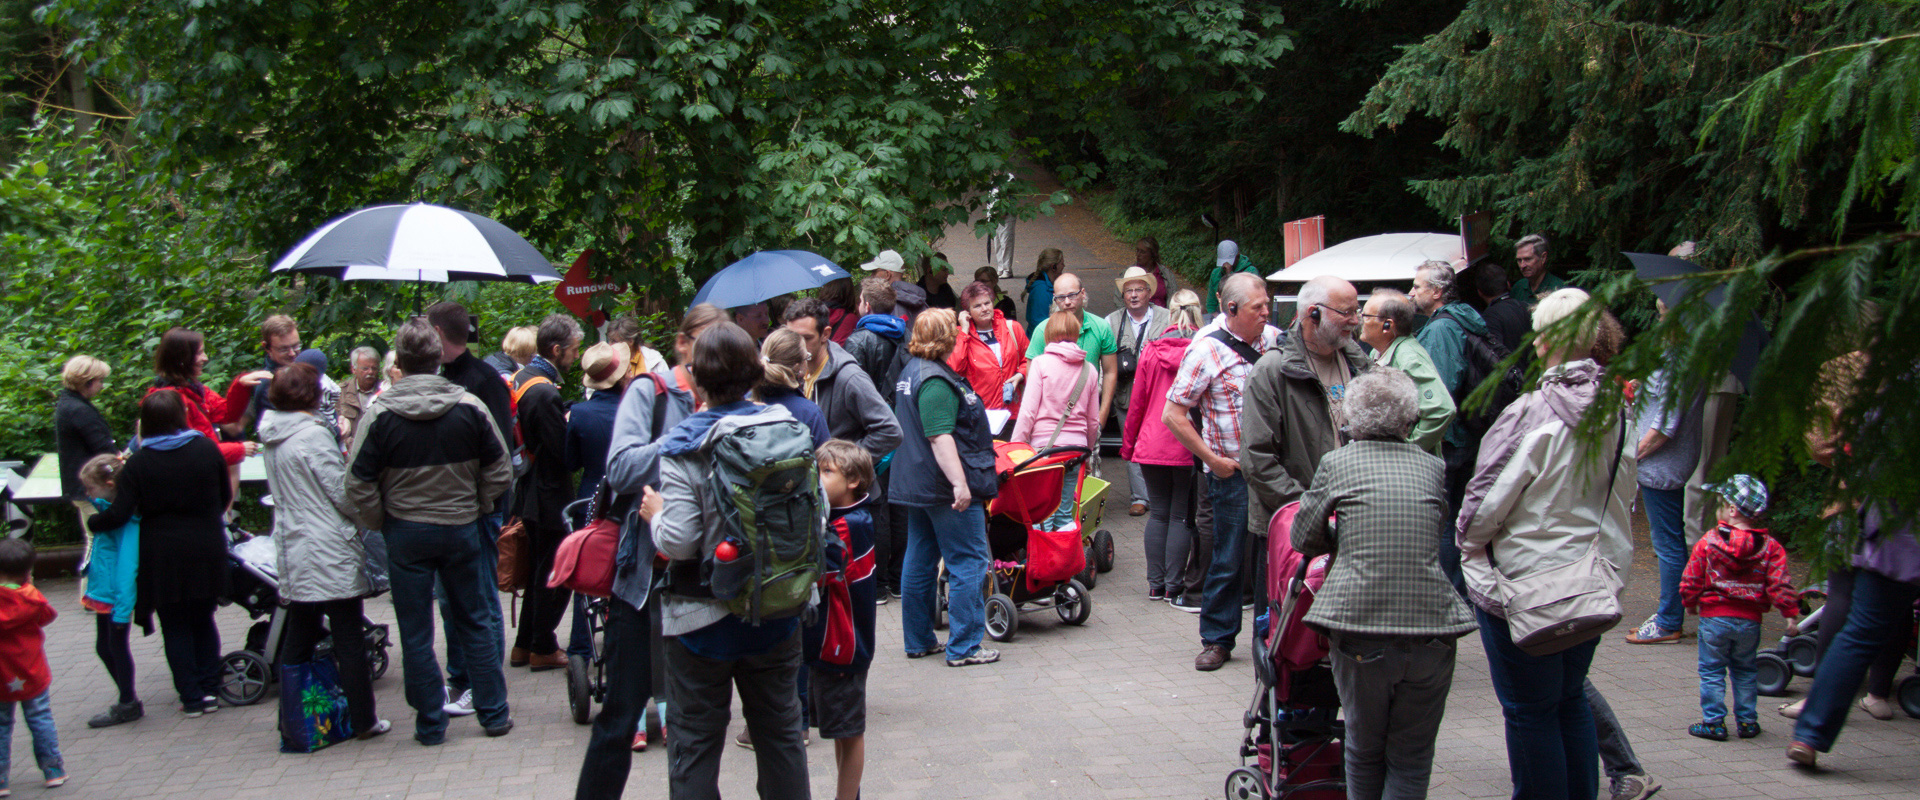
{"x":1211,"y":378}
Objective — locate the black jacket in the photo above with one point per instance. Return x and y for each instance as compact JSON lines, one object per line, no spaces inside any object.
{"x":79,"y":433}
{"x":180,"y":495}
{"x":874,"y":354}
{"x":547,"y":488}
{"x":1507,"y":320}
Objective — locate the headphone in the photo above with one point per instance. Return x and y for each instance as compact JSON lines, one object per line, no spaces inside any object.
{"x":1386,"y":324}
{"x":1233,"y":309}
{"x":1313,"y":313}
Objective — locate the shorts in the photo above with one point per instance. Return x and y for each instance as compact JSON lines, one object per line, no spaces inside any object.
{"x":838,"y":702}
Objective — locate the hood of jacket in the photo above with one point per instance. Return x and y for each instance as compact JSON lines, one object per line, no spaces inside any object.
{"x":1569,"y":389}
{"x":691,"y":433}
{"x":1731,"y":550}
{"x":886,"y":325}
{"x":1293,"y":355}
{"x":1466,"y":315}
{"x":837,"y":359}
{"x":171,"y":441}
{"x":1068,"y":352}
{"x":21,"y":606}
{"x":277,"y":427}
{"x":422,"y":397}
{"x":1161,"y":352}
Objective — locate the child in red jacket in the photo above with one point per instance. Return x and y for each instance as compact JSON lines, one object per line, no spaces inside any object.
{"x":24,"y":676}
{"x":1735,"y":573}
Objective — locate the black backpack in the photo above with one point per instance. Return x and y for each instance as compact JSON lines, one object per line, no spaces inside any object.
{"x":1484,"y":353}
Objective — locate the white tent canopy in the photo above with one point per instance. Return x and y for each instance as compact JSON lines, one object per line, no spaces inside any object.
{"x":1385,"y":257}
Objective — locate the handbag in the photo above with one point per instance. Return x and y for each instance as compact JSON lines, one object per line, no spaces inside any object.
{"x":313,"y":707}
{"x":585,"y":560}
{"x":373,"y":564}
{"x":1555,"y":609}
{"x":515,"y":556}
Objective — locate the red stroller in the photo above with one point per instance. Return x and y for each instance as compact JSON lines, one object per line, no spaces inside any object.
{"x":1293,"y":728}
{"x":1033,"y":567}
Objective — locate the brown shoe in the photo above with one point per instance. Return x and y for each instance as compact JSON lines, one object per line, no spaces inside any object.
{"x":1138,"y":509}
{"x":1211,"y":657}
{"x":1802,"y":753}
{"x":541,"y":663}
{"x":517,"y":657}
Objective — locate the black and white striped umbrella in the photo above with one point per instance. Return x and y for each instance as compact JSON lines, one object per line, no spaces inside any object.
{"x":417,"y":242}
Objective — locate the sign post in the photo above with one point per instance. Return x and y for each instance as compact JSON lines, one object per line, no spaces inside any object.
{"x":577,"y":288}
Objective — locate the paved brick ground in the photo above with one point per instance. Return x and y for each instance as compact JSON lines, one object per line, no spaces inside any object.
{"x":1109,"y":710}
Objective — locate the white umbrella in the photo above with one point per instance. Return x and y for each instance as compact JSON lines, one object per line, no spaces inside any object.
{"x":417,"y":242}
{"x":1385,"y":257}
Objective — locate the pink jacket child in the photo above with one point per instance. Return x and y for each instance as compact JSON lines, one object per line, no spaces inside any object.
{"x":1145,"y":439}
{"x":1049,"y":405}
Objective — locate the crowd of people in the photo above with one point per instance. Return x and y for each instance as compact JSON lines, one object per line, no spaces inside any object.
{"x":896,"y":391}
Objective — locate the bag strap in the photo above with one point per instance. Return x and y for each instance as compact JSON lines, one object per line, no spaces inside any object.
{"x":1620,"y":447}
{"x":1240,"y":348}
{"x":1072,"y":401}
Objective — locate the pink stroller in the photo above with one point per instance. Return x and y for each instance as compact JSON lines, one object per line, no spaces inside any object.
{"x":1293,"y":727}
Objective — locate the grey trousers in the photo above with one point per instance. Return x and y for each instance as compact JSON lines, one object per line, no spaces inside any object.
{"x":699,"y":694}
{"x":1393,"y":690}
{"x":1616,"y":753}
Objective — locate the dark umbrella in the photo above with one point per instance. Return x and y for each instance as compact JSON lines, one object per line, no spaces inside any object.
{"x":1660,"y":271}
{"x":417,"y":242}
{"x":766,"y":274}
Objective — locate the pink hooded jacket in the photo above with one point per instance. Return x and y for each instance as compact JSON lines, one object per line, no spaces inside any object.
{"x":1145,"y":439}
{"x":1050,"y":379}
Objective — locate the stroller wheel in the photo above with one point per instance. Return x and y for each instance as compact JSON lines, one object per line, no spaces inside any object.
{"x":579,"y":693}
{"x":1803,"y":654}
{"x":1003,"y":619}
{"x":1072,"y":603}
{"x":1908,"y":693}
{"x":1091,"y":575}
{"x":243,"y":678}
{"x":1771,"y":674}
{"x":376,"y":663}
{"x":1103,"y":550}
{"x":1246,"y":783}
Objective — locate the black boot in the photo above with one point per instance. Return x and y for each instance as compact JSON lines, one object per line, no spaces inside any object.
{"x":118,"y":713}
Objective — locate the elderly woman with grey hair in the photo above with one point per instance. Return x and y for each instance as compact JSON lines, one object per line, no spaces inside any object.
{"x":1390,"y":615}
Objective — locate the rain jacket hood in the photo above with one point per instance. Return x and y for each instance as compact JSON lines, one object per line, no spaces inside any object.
{"x":1737,"y":572}
{"x":422,"y":397}
{"x":886,"y":325}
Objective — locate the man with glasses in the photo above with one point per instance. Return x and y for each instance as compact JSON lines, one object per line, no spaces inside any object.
{"x":1296,"y":401}
{"x":1135,"y":323}
{"x":281,"y":338}
{"x":1386,"y":325}
{"x":1096,"y":338}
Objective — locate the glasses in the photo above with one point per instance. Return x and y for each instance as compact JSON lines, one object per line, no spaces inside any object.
{"x":1070,"y":295}
{"x":1347,"y":314}
{"x":292,"y":349}
{"x":1381,"y":317}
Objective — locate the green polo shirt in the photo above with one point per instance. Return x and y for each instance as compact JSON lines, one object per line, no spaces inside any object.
{"x":1095,"y":337}
{"x":1523,"y":289}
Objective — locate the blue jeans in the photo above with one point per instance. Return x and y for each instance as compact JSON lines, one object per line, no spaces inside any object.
{"x":489,"y":563}
{"x":1552,"y":751}
{"x":1728,"y":645}
{"x":46,"y":741}
{"x":1226,"y":578}
{"x":1882,"y":608}
{"x":418,"y":554}
{"x":1666,"y":509}
{"x":960,"y":538}
{"x":1062,"y":518}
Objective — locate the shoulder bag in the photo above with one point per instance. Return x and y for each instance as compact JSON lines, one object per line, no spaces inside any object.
{"x":1073,"y":400}
{"x":1554,"y":609}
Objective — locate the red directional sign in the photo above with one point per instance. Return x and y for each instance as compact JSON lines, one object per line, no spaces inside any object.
{"x":577,"y":288}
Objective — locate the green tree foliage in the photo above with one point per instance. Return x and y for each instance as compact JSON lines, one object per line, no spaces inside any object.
{"x":731,"y":125}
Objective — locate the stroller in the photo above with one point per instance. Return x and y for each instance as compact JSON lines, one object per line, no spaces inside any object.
{"x":1033,"y":567}
{"x":587,"y":677}
{"x":245,"y":674}
{"x":1293,"y":733}
{"x":1798,"y":655}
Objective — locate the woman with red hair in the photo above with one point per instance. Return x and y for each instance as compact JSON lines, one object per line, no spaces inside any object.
{"x":990,"y":352}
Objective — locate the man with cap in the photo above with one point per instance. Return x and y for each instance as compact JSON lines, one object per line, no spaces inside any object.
{"x":1096,"y":337}
{"x":888,"y":265}
{"x":1226,"y":261}
{"x":1135,"y":323}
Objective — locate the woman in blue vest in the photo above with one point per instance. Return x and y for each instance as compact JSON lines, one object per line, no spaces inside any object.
{"x":942,"y":473}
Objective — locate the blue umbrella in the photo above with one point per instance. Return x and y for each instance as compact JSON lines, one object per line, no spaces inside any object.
{"x":766,"y":274}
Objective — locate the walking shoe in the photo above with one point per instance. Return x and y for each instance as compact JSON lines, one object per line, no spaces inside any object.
{"x":542,"y":663}
{"x":1137,"y":509}
{"x":1876,"y":706}
{"x":745,"y":739}
{"x":380,"y":728}
{"x":639,"y":742}
{"x":1802,"y":753}
{"x":1211,"y":658}
{"x":517,"y":657}
{"x":210,"y":704}
{"x":56,"y":778}
{"x":1748,"y":730}
{"x":116,"y":714}
{"x":1156,"y":594}
{"x":1792,"y":710}
{"x":459,"y":706}
{"x":192,"y":710}
{"x":1634,"y":787}
{"x":1716,"y":731}
{"x":979,"y":655}
{"x":1650,"y":632}
{"x":1180,"y":602}
{"x":501,"y":729}
{"x":936,"y":648}
{"x":880,"y":597}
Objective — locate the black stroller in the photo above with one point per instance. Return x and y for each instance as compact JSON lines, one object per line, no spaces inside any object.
{"x":245,"y":674}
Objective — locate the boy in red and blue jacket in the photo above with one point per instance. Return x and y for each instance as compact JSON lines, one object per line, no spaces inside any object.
{"x":1736,"y":572}
{"x":839,"y":642}
{"x":24,"y":677}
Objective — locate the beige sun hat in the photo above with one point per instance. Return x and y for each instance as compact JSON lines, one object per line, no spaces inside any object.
{"x":1134,"y":274}
{"x":888,"y":260}
{"x":604,"y":365}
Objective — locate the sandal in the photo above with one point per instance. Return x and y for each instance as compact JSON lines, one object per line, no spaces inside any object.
{"x":1792,"y":710}
{"x":1878,"y":707}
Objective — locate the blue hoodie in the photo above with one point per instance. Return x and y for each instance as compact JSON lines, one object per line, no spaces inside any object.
{"x":886,"y":325}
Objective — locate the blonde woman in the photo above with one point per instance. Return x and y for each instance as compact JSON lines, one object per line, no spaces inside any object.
{"x":787,"y":364}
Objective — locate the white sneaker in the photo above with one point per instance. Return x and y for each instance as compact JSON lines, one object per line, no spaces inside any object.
{"x":460,"y":706}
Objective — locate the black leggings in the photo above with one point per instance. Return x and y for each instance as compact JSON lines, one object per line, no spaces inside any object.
{"x":110,"y":642}
{"x":192,"y":643}
{"x":343,"y":622}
